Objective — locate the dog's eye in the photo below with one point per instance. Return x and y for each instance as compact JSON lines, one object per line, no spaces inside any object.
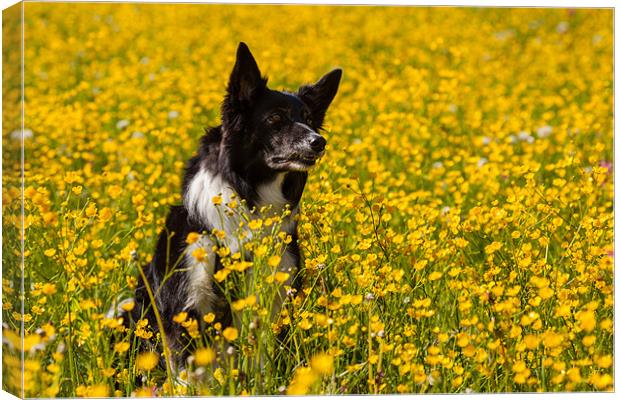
{"x":274,"y":119}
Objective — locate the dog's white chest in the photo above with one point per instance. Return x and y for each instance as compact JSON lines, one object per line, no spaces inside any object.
{"x":270,"y":194}
{"x":199,"y":201}
{"x":200,"y":197}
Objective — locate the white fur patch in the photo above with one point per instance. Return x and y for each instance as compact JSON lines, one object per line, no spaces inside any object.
{"x":205,"y":186}
{"x":271,"y":193}
{"x":305,"y":126}
{"x":199,"y":203}
{"x":200,"y":293}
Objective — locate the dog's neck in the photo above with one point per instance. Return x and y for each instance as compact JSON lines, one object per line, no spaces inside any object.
{"x":219,"y":171}
{"x":270,"y":193}
{"x":207,"y":185}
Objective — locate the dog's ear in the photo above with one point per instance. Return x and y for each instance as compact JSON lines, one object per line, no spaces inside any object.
{"x":320,"y":95}
{"x":245,"y":82}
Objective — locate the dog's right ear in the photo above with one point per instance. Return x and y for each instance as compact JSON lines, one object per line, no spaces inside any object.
{"x":245,"y":82}
{"x":320,"y":95}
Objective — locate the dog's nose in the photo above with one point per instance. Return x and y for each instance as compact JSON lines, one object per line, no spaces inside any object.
{"x":317,"y":143}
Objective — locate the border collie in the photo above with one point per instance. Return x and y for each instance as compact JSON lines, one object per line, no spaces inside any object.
{"x":261,"y":153}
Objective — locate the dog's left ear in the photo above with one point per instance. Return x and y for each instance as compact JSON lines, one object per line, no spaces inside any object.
{"x":245,"y":82}
{"x":320,"y":95}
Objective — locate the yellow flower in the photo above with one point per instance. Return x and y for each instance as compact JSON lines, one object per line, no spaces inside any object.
{"x":305,"y":324}
{"x":250,"y":300}
{"x":128,"y":306}
{"x":552,"y":339}
{"x":493,"y":247}
{"x":562,"y":311}
{"x":221,"y":275}
{"x":605,"y":361}
{"x":144,"y":392}
{"x":121,"y":347}
{"x":105,"y":214}
{"x":242,"y":303}
{"x":217,"y":200}
{"x":281,"y":277}
{"x":607,"y":324}
{"x":462,"y":340}
{"x":199,"y":254}
{"x":574,"y":375}
{"x":48,"y":289}
{"x":114,"y":191}
{"x":238,"y":305}
{"x":601,"y":381}
{"x":180,"y":317}
{"x":434,"y":276}
{"x":147,"y":361}
{"x":587,"y":320}
{"x":323,"y":364}
{"x":91,"y":210}
{"x":71,"y":177}
{"x":204,"y":356}
{"x":49,"y":252}
{"x":519,"y":366}
{"x":588,"y":340}
{"x":531,"y":341}
{"x":98,"y":391}
{"x":218,"y":374}
{"x":546,"y":293}
{"x":255,"y":224}
{"x":208,"y":318}
{"x":192,"y":237}
{"x":273,"y":261}
{"x":220,"y":234}
{"x":230,"y":334}
{"x":302,"y":380}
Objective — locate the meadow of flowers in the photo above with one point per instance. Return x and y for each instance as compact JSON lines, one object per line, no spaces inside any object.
{"x":457,"y":236}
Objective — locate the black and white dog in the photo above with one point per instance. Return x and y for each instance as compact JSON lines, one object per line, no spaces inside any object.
{"x":261,"y":154}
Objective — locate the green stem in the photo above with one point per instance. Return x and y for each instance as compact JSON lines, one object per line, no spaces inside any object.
{"x":160,"y":325}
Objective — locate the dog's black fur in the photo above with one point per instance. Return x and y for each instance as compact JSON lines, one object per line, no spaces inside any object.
{"x":265,"y":134}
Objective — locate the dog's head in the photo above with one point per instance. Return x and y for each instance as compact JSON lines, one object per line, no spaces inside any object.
{"x":280,"y":128}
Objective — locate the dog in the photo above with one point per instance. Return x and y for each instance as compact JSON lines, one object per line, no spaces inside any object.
{"x":260,"y":154}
